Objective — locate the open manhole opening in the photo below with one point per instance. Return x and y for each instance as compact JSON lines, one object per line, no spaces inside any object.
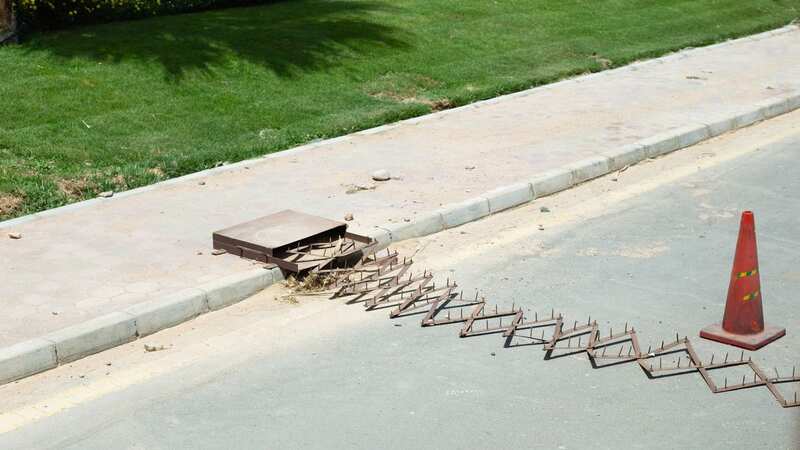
{"x":296,"y":242}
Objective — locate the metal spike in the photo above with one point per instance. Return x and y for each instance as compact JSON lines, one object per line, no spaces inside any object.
{"x":662,"y":345}
{"x":712,"y":360}
{"x":660,"y":363}
{"x":726,"y":381}
{"x":535,"y":316}
{"x":620,"y":351}
{"x":679,"y":363}
{"x":626,"y":327}
{"x":575,"y":325}
{"x":604,"y":352}
{"x":726,"y":356}
{"x":776,"y":373}
{"x":743,"y":376}
{"x":552,"y":313}
{"x":579,"y":341}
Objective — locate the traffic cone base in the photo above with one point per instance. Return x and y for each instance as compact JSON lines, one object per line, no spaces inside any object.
{"x":746,"y":341}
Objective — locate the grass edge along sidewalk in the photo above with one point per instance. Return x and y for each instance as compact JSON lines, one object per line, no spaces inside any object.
{"x":82,"y":120}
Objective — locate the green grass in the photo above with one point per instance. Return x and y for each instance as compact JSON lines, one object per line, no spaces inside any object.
{"x":127,"y":104}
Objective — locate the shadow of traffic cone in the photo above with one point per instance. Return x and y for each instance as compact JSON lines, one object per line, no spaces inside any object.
{"x":743,"y":322}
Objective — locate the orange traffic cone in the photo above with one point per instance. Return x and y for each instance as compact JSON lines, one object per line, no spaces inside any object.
{"x":743,"y":322}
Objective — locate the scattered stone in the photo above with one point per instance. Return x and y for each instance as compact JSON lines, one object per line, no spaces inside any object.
{"x":106,"y":194}
{"x":398,"y":324}
{"x":108,"y":364}
{"x":348,"y":217}
{"x":541,"y":227}
{"x":406,"y":219}
{"x":55,"y":313}
{"x":493,"y":354}
{"x":199,"y":253}
{"x":153,"y":348}
{"x":353,"y":188}
{"x":201,"y":183}
{"x":15,"y":235}
{"x":381,"y":175}
{"x":544,"y":209}
{"x":469,"y":167}
{"x":218,"y":251}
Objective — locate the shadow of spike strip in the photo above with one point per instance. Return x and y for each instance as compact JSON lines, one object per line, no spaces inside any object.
{"x":383,"y":281}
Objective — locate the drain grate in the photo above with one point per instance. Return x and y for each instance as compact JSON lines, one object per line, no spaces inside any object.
{"x":295,"y":241}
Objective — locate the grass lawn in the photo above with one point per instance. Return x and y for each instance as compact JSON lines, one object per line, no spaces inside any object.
{"x":121,"y":105}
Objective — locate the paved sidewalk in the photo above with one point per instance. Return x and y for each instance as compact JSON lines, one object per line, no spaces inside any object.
{"x":84,"y":261}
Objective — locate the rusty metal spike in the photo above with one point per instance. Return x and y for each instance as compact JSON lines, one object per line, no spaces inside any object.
{"x":726,"y":356}
{"x":626,"y":327}
{"x":677,"y":338}
{"x":448,"y":314}
{"x":776,"y":372}
{"x":461,"y":310}
{"x":660,"y":363}
{"x":575,"y":325}
{"x":648,"y":350}
{"x":495,"y":309}
{"x":535,"y":317}
{"x":662,"y":345}
{"x":679,"y":363}
{"x":620,"y":351}
{"x":552,"y":313}
{"x":589,"y":321}
{"x":542,"y":333}
{"x":630,"y":349}
{"x":712,"y":360}
{"x":741,"y":357}
{"x":610,"y":331}
{"x":501,"y":321}
{"x":726,"y":381}
{"x":579,"y":341}
{"x":743,"y":376}
{"x":604,"y":352}
{"x":531,"y":332}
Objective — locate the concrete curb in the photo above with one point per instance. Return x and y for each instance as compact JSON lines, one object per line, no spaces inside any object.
{"x":117,"y":328}
{"x":72,"y":343}
{"x":565,"y":177}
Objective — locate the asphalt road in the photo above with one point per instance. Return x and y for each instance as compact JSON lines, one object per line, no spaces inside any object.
{"x":651,"y":246}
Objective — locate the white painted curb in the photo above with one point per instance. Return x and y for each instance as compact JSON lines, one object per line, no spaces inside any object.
{"x":70,"y":344}
{"x":93,"y":336}
{"x":565,"y":177}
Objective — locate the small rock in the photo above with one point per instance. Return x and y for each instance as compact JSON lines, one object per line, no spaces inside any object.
{"x":15,"y":235}
{"x":106,"y":194}
{"x":108,"y":364}
{"x":55,"y":313}
{"x":218,"y":251}
{"x":153,"y":348}
{"x":381,"y":175}
{"x":406,"y":219}
{"x":544,"y":209}
{"x":398,"y":324}
{"x":199,"y":253}
{"x":348,"y":217}
{"x":201,"y":183}
{"x":493,"y":354}
{"x":469,"y":168}
{"x":541,"y":227}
